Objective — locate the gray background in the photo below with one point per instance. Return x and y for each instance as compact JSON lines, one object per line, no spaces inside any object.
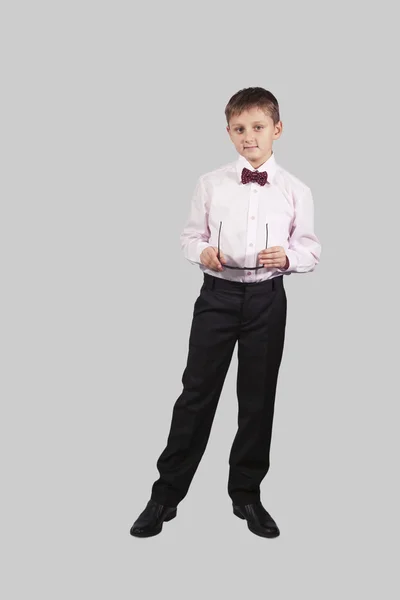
{"x":109,"y":114}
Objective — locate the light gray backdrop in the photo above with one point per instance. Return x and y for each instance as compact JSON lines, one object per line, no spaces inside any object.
{"x":104,"y":104}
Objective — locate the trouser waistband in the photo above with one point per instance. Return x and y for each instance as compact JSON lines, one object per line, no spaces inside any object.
{"x":218,"y":283}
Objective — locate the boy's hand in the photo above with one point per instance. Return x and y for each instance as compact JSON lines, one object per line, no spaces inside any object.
{"x":273,"y":257}
{"x":209,"y":258}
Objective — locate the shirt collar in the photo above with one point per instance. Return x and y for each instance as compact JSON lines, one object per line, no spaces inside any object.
{"x":270,"y":166}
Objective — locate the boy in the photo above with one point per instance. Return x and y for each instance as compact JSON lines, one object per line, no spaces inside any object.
{"x":248,"y":212}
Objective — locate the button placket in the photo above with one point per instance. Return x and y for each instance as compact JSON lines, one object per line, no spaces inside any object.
{"x":251,"y":228}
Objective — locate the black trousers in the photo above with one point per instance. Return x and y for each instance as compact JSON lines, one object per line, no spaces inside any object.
{"x":226,"y":312}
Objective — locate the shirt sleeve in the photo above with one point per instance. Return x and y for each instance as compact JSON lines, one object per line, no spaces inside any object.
{"x":304,"y":247}
{"x":196,"y":233}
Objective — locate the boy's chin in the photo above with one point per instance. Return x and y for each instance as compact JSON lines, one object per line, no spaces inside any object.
{"x":250,"y":153}
{"x":255,"y":154}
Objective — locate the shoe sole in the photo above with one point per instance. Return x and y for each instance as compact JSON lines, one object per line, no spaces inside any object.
{"x":156,"y":531}
{"x":266,"y":535}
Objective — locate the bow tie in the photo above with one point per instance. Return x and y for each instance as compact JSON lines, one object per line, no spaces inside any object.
{"x":258,"y":177}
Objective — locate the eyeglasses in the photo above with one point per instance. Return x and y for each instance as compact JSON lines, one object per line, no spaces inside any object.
{"x":242,"y":268}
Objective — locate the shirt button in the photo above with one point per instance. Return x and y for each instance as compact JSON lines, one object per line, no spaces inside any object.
{"x":248,"y":272}
{"x":250,"y":244}
{"x":255,"y":191}
{"x":252,"y":218}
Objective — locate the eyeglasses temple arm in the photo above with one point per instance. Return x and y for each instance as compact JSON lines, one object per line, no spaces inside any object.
{"x":219,"y":236}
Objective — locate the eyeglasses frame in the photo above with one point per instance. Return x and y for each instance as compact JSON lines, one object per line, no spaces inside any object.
{"x":241,"y":268}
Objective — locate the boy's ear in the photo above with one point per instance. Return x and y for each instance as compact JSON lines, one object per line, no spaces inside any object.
{"x":280,"y":130}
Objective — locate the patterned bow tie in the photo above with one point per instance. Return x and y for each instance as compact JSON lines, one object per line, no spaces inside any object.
{"x":258,"y":177}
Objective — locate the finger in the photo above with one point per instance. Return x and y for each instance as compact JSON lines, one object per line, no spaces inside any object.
{"x":270,"y":260}
{"x":215,"y":264}
{"x":270,"y":263}
{"x":221,"y":260}
{"x":274,"y":250}
{"x":214,"y":258}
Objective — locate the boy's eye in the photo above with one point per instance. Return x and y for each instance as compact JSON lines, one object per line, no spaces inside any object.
{"x":239,"y":129}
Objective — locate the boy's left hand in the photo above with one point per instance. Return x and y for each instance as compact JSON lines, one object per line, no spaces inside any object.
{"x":273,"y":257}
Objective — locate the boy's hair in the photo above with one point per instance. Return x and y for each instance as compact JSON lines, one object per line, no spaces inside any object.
{"x":250,"y":98}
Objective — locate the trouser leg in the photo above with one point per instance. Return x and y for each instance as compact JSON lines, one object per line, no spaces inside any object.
{"x":260,"y":349}
{"x":215,"y":325}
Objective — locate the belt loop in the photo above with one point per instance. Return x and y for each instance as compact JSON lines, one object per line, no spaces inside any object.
{"x":213,"y":282}
{"x":273,"y":283}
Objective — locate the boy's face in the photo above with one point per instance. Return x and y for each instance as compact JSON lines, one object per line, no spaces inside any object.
{"x":253,"y":133}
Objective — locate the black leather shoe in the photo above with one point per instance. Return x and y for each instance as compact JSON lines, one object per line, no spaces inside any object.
{"x":259,"y":521}
{"x":150,"y":521}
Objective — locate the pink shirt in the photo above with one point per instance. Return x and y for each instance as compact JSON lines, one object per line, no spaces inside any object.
{"x":285,"y":203}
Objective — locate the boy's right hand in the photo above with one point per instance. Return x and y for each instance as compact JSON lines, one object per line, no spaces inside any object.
{"x":209,"y":258}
